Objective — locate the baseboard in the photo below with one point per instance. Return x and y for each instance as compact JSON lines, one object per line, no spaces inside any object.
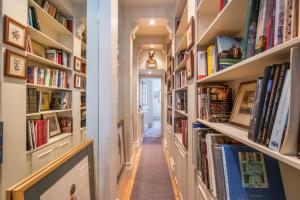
{"x":130,"y":162}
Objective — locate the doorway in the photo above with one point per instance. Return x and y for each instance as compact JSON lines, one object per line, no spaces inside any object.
{"x":150,"y":102}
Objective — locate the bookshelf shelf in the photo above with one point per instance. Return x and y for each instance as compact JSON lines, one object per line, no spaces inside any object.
{"x":46,"y":40}
{"x":83,"y":108}
{"x":208,"y":7}
{"x":182,"y":88}
{"x":241,"y":135}
{"x":226,"y":23}
{"x":45,"y":18}
{"x":169,"y":107}
{"x":181,"y":65}
{"x":52,"y":140}
{"x":82,"y":128}
{"x":178,"y":137}
{"x":47,"y":87}
{"x":47,"y":62}
{"x":254,"y":65}
{"x":83,"y":60}
{"x":170,"y":127}
{"x":47,"y":112}
{"x":183,"y":22}
{"x":182,"y":112}
{"x":182,"y":44}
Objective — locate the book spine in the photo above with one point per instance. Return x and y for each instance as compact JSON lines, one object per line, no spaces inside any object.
{"x":276,"y":100}
{"x":225,"y":174}
{"x":288,"y":18}
{"x":279,"y":22}
{"x":221,"y":5}
{"x":281,"y":115}
{"x":251,"y":130}
{"x":266,"y":103}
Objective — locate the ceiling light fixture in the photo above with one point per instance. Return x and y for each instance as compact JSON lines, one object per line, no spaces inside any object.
{"x":152,"y":22}
{"x":151,"y":46}
{"x":149,"y":72}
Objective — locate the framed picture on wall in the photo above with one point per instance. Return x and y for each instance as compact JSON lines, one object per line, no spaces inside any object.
{"x":14,"y":33}
{"x":77,"y":64}
{"x":15,"y":65}
{"x":241,"y":112}
{"x":190,"y":37}
{"x":77,"y":81}
{"x":190,"y":65}
{"x":71,"y":177}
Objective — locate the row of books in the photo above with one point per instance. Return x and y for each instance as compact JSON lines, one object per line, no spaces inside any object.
{"x":214,"y":103}
{"x":181,"y":126}
{"x":171,"y":83}
{"x":169,"y":100}
{"x":180,"y":56}
{"x":169,"y":117}
{"x":83,"y":119}
{"x":55,"y":13}
{"x":180,"y":79}
{"x":47,"y":77}
{"x":231,"y":170}
{"x":83,"y":99}
{"x":40,"y":101}
{"x":170,"y":64}
{"x":58,"y":56}
{"x":39,"y":131}
{"x":270,"y":111}
{"x":181,"y":101}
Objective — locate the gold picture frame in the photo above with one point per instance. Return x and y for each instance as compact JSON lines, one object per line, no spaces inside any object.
{"x":77,"y":64}
{"x":54,"y":179}
{"x":243,"y":105}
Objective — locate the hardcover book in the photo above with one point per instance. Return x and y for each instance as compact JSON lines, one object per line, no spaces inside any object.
{"x":229,"y":51}
{"x":250,"y":174}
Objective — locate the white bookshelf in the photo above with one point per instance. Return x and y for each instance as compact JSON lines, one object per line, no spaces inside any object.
{"x":47,"y":112}
{"x":181,"y":65}
{"x":48,"y":63}
{"x":185,"y":87}
{"x":181,"y":112}
{"x":208,"y":7}
{"x":183,"y":22}
{"x":48,"y":87}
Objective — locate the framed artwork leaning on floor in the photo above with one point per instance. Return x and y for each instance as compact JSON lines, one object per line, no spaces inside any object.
{"x":70,"y":177}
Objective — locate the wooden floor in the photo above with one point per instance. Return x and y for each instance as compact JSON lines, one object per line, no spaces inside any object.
{"x":128,"y":176}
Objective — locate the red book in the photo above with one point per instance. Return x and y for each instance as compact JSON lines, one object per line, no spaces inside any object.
{"x":45,"y":131}
{"x":221,"y":5}
{"x":59,"y":58}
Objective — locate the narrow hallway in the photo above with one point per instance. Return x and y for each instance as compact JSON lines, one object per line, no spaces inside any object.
{"x":152,"y":179}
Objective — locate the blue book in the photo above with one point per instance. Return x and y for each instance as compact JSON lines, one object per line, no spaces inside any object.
{"x":250,"y":174}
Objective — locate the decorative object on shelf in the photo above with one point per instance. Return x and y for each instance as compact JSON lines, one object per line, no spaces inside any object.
{"x":77,"y":81}
{"x":15,"y":65}
{"x":241,"y":112}
{"x":77,"y":64}
{"x":190,"y":37}
{"x":80,"y":28}
{"x":190,"y":66}
{"x":70,"y":177}
{"x":121,"y":147}
{"x":151,"y":62}
{"x":45,"y":101}
{"x":54,"y":127}
{"x":15,"y":33}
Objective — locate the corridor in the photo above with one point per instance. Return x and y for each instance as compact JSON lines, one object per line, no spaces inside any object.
{"x":152,"y":180}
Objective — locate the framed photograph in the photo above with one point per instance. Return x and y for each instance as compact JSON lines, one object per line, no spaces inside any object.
{"x":15,"y":33}
{"x":77,"y":81}
{"x":45,"y":101}
{"x":242,"y":109}
{"x":190,"y":65}
{"x":54,"y":128}
{"x":77,"y":64}
{"x":70,"y":177}
{"x":190,"y":37}
{"x":15,"y":65}
{"x":121,"y":147}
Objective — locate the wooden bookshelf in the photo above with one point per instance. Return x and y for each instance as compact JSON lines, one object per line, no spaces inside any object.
{"x":208,"y":7}
{"x":185,"y":87}
{"x":48,"y":112}
{"x":47,"y":62}
{"x":181,"y":65}
{"x":48,"y":87}
{"x":183,"y":22}
{"x":226,"y":23}
{"x":45,"y":40}
{"x":50,"y":21}
{"x":182,"y":44}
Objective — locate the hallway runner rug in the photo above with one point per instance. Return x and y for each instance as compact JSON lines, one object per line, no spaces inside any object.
{"x":152,"y":180}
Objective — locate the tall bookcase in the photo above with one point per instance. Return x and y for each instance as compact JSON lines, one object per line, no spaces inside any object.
{"x":18,"y":162}
{"x":209,"y":23}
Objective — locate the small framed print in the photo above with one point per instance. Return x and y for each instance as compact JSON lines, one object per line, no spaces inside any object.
{"x":241,"y":112}
{"x":77,"y":81}
{"x":15,"y":65}
{"x":190,"y":37}
{"x":14,"y":34}
{"x":54,"y":128}
{"x":190,"y":66}
{"x":77,"y":64}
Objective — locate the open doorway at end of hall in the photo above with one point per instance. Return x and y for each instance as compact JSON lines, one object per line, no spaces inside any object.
{"x":150,"y":103}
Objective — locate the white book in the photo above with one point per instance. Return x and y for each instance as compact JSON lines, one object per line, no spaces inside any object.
{"x":279,"y":22}
{"x":202,"y":64}
{"x":214,"y":60}
{"x":281,"y":115}
{"x":30,"y":135}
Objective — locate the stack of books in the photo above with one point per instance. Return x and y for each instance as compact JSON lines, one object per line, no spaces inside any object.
{"x":181,"y":101}
{"x":58,"y":56}
{"x":181,"y":80}
{"x":47,"y":77}
{"x":37,"y":133}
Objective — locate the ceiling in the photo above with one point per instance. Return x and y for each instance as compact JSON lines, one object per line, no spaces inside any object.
{"x":144,"y":28}
{"x":149,"y":2}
